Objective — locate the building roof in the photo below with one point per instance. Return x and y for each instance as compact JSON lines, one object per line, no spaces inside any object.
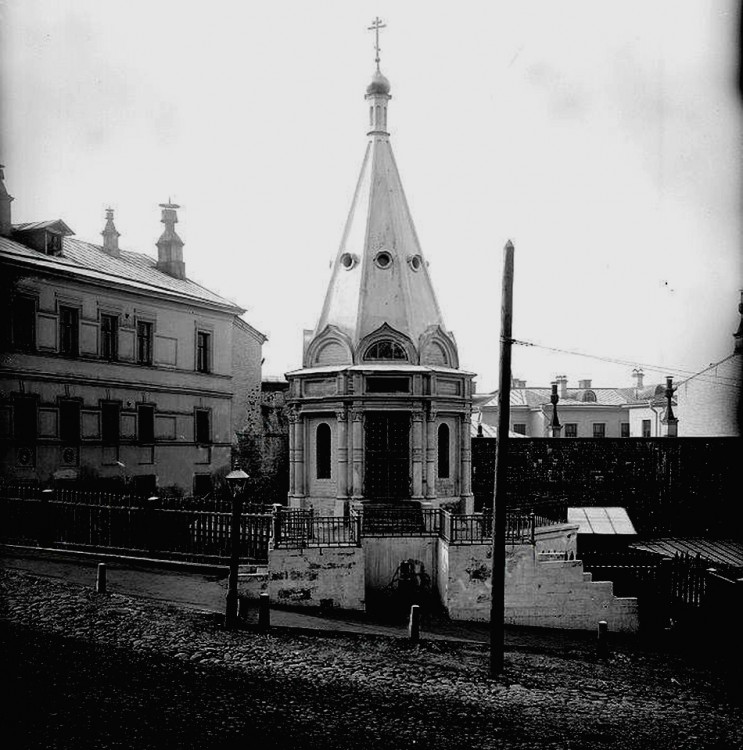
{"x":488,"y":430}
{"x":600,"y":520}
{"x":379,"y":274}
{"x":90,"y":262}
{"x":720,"y":552}
{"x":537,"y":397}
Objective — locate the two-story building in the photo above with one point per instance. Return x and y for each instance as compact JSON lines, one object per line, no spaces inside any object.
{"x":585,"y":411}
{"x":116,"y":367}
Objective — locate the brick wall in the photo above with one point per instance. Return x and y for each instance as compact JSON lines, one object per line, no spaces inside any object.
{"x":669,"y":486}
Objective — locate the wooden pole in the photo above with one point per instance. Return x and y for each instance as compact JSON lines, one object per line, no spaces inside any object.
{"x":497,"y":603}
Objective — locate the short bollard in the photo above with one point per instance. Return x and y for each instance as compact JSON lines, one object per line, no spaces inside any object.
{"x":243,"y":607}
{"x":602,"y":642}
{"x":264,"y":612}
{"x":100,"y":582}
{"x":414,"y":627}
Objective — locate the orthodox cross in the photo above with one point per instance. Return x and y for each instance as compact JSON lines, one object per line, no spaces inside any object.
{"x":375,"y":27}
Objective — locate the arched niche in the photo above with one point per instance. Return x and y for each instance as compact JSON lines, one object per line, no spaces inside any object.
{"x":331,"y":347}
{"x":437,"y":349}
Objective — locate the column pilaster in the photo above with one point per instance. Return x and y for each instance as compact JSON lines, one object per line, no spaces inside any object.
{"x":357,"y":453}
{"x":465,"y":463}
{"x":342,"y":449}
{"x":418,"y":455}
{"x":431,"y":455}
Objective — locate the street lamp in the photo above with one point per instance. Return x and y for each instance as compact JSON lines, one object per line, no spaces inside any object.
{"x":236,"y":481}
{"x":555,"y":426}
{"x":669,"y":419}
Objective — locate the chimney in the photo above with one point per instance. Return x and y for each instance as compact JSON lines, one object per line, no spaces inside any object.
{"x":738,"y":335}
{"x":110,"y":235}
{"x":584,"y":384}
{"x":562,"y":383}
{"x":5,"y":200}
{"x":170,"y":245}
{"x":517,"y":383}
{"x":638,"y":375}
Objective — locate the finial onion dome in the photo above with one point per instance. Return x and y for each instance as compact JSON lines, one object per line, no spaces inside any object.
{"x":379,"y":84}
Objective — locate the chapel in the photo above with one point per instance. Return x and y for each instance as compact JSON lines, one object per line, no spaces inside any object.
{"x":380,"y":411}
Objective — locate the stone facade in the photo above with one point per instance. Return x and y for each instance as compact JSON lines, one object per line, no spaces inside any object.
{"x":380,"y":410}
{"x":115,"y":371}
{"x":709,"y":403}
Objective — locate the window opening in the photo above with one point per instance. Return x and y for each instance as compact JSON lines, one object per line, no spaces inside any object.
{"x":443,"y":451}
{"x":202,"y":352}
{"x":69,"y":324}
{"x":203,"y":427}
{"x":146,"y":423}
{"x":144,"y":342}
{"x":110,"y":430}
{"x":110,"y":337}
{"x":322,"y":451}
{"x":69,"y":422}
{"x":386,"y":349}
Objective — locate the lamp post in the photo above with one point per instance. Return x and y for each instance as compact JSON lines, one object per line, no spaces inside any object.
{"x":555,"y":426}
{"x":236,"y":481}
{"x":669,"y":419}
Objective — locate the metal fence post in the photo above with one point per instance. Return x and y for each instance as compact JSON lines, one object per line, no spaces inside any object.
{"x":602,"y":644}
{"x":44,"y":529}
{"x":264,"y":612}
{"x":276,"y":526}
{"x":533,"y":528}
{"x":414,"y":626}
{"x":665,"y":591}
{"x":100,"y":583}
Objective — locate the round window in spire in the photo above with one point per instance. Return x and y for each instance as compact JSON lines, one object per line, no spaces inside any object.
{"x":383,"y":259}
{"x":415,"y":262}
{"x":348,"y":261}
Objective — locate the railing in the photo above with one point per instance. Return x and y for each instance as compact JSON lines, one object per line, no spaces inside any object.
{"x":296,"y":529}
{"x":478,"y":527}
{"x":405,"y":521}
{"x":200,"y":529}
{"x":202,"y":535}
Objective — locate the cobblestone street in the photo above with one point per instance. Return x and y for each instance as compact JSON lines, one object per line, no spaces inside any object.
{"x":92,"y":671}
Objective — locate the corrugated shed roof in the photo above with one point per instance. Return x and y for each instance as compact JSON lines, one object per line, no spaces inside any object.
{"x":720,"y":552}
{"x":132,"y":269}
{"x":601,"y":520}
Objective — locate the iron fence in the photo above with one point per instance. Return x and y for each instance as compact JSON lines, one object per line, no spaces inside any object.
{"x":296,"y":529}
{"x":404,"y":521}
{"x":478,"y":528}
{"x":130,"y":528}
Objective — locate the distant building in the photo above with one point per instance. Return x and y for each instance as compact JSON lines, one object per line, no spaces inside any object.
{"x":709,"y":402}
{"x":583,"y":412}
{"x":115,"y":366}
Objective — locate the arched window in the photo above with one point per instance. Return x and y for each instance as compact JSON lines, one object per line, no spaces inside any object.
{"x":322,"y":451}
{"x":443,"y":446}
{"x":589,"y":396}
{"x":385,"y":349}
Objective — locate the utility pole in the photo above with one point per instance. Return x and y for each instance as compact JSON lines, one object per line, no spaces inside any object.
{"x":497,"y":603}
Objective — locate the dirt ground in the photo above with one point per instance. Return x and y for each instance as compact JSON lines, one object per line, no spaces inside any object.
{"x":106,"y":671}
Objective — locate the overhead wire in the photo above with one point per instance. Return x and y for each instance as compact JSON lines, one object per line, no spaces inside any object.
{"x":721,"y":380}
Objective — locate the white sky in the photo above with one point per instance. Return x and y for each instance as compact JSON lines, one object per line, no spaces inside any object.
{"x":603,"y":138}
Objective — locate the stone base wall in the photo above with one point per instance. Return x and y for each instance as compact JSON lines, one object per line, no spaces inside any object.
{"x":311,"y":577}
{"x":545,"y":585}
{"x":540,"y":590}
